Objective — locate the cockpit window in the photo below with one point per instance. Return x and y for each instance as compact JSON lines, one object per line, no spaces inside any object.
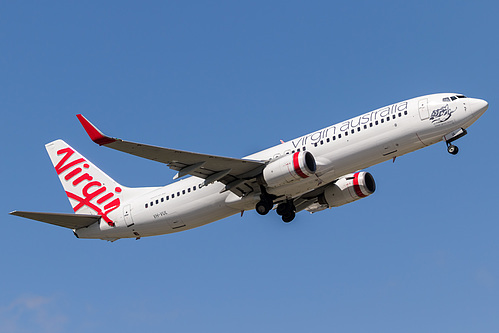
{"x":448,"y":99}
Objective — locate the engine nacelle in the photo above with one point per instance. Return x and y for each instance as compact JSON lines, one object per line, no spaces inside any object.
{"x":289,"y":168}
{"x":348,"y":189}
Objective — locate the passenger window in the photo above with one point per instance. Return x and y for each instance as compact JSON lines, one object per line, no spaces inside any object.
{"x":167,"y":198}
{"x":298,"y":150}
{"x":157,"y":202}
{"x":365,"y":126}
{"x":178,"y":194}
{"x":376,"y":122}
{"x":358,"y":129}
{"x":194,"y":188}
{"x":400,"y":114}
{"x":322,"y":142}
{"x":382,"y":121}
{"x":147,"y":205}
{"x":339,"y":136}
{"x":405,"y":113}
{"x":334,"y":137}
{"x":328,"y":140}
{"x":346,"y":133}
{"x":183,"y":191}
{"x":370,"y":124}
{"x":173,"y":195}
{"x":189,"y":190}
{"x":353,"y":131}
{"x":162,"y":199}
{"x":393,"y":117}
{"x":152,"y":203}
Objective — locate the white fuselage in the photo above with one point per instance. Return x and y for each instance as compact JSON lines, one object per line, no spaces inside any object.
{"x":339,"y":149}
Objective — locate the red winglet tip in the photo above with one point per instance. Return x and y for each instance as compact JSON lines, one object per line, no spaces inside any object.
{"x":93,"y":132}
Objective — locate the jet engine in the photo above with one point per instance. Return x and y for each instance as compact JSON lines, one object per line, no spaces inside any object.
{"x":289,"y":169}
{"x":348,"y":189}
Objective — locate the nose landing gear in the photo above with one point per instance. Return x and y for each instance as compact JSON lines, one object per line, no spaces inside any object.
{"x":451,"y":137}
{"x":452,"y":149}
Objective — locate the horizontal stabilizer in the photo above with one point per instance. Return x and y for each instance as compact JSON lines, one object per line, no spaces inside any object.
{"x":71,"y":221}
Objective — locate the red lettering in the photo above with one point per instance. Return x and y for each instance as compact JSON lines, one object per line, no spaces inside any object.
{"x":90,"y":191}
{"x":82,"y":178}
{"x":105,"y":198}
{"x":112,"y":206}
{"x":89,"y":196}
{"x":60,"y":167}
{"x":85,"y":202}
{"x":72,"y":173}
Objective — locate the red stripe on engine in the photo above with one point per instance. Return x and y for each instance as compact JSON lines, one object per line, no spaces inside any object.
{"x":296,"y":165}
{"x":356,"y":185}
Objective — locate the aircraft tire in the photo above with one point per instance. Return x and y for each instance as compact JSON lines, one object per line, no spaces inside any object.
{"x":281,"y":209}
{"x":288,"y":217}
{"x":452,"y":149}
{"x":263,"y":207}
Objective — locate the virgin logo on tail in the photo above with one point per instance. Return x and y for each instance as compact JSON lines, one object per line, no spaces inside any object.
{"x":92,"y":190}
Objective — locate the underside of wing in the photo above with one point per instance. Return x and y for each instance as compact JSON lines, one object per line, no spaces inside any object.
{"x":236,"y":174}
{"x":71,"y":221}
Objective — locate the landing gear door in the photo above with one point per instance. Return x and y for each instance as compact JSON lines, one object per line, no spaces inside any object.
{"x":423,"y":109}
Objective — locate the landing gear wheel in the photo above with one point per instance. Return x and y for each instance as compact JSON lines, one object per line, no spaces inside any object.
{"x":288,"y":217}
{"x":286,"y":210}
{"x":281,"y":209}
{"x":263,"y":207}
{"x":452,"y":149}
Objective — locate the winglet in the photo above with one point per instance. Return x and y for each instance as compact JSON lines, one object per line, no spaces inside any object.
{"x":93,"y":132}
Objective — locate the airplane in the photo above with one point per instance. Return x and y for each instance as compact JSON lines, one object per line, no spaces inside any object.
{"x":313,"y":172}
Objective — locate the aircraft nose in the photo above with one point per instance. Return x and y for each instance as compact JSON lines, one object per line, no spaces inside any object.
{"x":479,"y":106}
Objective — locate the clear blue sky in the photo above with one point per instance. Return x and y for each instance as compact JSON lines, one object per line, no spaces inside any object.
{"x":232,"y":78}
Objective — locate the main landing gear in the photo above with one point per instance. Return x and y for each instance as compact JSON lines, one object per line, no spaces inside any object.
{"x":285,"y":209}
{"x":264,"y":206}
{"x":266,"y":202}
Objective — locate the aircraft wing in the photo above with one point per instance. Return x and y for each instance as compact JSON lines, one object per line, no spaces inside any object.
{"x":71,"y":221}
{"x":236,"y":174}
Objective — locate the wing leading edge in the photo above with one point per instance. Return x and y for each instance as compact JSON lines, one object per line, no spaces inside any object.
{"x":237,"y":174}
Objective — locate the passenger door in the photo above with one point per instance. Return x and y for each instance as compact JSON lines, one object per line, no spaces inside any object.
{"x":127,"y":215}
{"x":423,"y":109}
